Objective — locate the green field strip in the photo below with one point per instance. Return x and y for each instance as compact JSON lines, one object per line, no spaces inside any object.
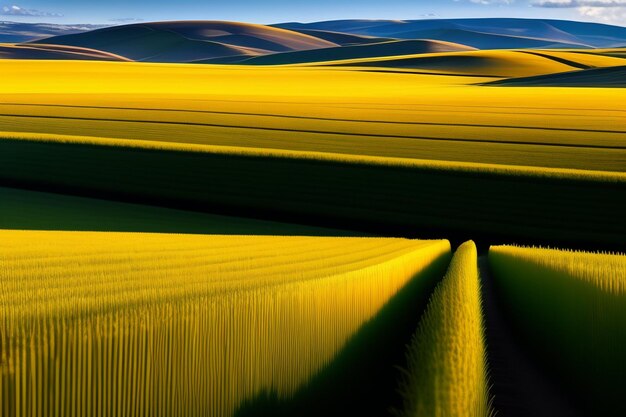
{"x":33,"y":210}
{"x":359,"y":191}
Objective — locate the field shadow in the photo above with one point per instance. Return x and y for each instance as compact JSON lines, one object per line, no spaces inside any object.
{"x":35,"y":210}
{"x":388,"y":200}
{"x":362,"y":379}
{"x":521,"y":383}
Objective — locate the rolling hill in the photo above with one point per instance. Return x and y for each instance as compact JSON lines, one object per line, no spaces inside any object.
{"x":480,"y":63}
{"x":245,"y":35}
{"x":190,"y":41}
{"x":593,"y":77}
{"x":343,"y":39}
{"x":17,"y":51}
{"x":486,"y":33}
{"x":218,"y":42}
{"x":382,"y":49}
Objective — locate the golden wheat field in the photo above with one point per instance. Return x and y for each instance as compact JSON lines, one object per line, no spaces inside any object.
{"x":393,"y":149}
{"x":104,"y":323}
{"x":360,"y":234}
{"x":385,"y":114}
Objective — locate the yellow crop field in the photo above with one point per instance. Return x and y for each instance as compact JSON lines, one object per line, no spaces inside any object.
{"x":403,"y":150}
{"x":571,"y":306}
{"x":138,"y":324}
{"x":387,"y":114}
{"x":447,"y":368}
{"x":207,"y":218}
{"x":320,"y":109}
{"x":500,"y":63}
{"x":582,"y":59}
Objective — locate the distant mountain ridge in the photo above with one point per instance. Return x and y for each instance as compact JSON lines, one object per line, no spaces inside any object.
{"x":293,"y":43}
{"x":186,"y":41}
{"x":482,"y":33}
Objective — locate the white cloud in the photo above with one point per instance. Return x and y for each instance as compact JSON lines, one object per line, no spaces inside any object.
{"x":579,"y":3}
{"x":606,"y":11}
{"x":15,"y":10}
{"x":614,"y":15}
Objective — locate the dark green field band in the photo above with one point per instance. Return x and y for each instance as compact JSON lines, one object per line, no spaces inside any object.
{"x":408,"y":201}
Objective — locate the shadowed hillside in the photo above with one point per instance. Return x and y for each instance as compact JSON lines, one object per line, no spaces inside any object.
{"x":343,"y":39}
{"x":8,"y":51}
{"x":481,"y":40}
{"x":406,"y":47}
{"x":190,"y":41}
{"x":492,"y":33}
{"x":245,"y":35}
{"x":478,"y":63}
{"x":594,"y":77}
{"x":217,"y":42}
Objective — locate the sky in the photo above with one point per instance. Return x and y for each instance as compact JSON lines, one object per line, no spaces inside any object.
{"x":275,"y":11}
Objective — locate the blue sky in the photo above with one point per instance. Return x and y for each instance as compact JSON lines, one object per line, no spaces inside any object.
{"x":274,"y":11}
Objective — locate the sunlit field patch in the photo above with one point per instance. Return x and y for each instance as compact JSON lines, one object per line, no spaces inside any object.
{"x":149,"y":324}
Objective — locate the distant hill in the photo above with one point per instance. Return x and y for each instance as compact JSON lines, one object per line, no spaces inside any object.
{"x":594,"y":77}
{"x":191,"y":40}
{"x":489,"y":33}
{"x":12,"y":51}
{"x":14,"y":32}
{"x":382,"y":49}
{"x":219,"y":42}
{"x":472,"y":63}
{"x":343,"y":39}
